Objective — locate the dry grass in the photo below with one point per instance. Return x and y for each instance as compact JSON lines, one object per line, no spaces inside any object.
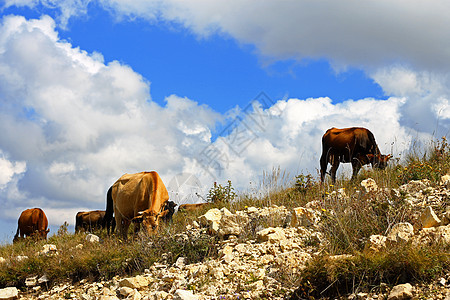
{"x":347,"y":222}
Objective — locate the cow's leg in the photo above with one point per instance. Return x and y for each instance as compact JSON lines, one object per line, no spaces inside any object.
{"x":334,"y":167}
{"x":323,"y":166}
{"x":356,"y":166}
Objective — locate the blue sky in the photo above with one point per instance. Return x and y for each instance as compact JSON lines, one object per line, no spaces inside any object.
{"x":93,"y":89}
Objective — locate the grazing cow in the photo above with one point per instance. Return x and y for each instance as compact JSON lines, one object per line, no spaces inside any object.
{"x":109,"y":221}
{"x":32,"y":222}
{"x":168,"y":211}
{"x":192,"y":207}
{"x":89,"y":220}
{"x":354,"y":145}
{"x":138,"y":198}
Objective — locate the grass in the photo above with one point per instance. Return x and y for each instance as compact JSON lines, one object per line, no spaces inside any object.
{"x":346,"y":223}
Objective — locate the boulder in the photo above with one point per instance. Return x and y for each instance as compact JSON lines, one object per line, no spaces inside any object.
{"x":271,"y":234}
{"x":137,"y":282}
{"x":401,"y":292}
{"x":211,"y":219}
{"x":304,"y":217}
{"x":429,"y":219}
{"x":92,"y":238}
{"x":376,"y":243}
{"x":369,"y":185}
{"x":400,"y":233}
{"x":184,"y":295}
{"x":9,"y":293}
{"x":49,"y":249}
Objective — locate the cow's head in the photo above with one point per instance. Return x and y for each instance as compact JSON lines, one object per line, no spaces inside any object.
{"x":43,"y":233}
{"x":380,"y":161}
{"x":148,"y":219}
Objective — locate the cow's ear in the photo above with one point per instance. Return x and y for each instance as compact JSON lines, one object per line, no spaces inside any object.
{"x":48,"y":230}
{"x":388,"y":156}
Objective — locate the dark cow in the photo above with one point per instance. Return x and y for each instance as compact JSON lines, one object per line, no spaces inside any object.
{"x":168,"y":211}
{"x":138,"y":198}
{"x":109,"y":221}
{"x":89,"y":220}
{"x":192,"y":207}
{"x":354,"y":145}
{"x":32,"y":222}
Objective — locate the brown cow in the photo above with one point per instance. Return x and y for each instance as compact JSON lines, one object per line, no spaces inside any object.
{"x":138,"y":198}
{"x":192,"y":207}
{"x":354,"y":145}
{"x":32,"y":222}
{"x":89,"y":220}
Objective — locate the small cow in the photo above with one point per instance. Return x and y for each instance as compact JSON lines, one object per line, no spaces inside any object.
{"x":168,"y":211}
{"x":138,"y":198}
{"x":32,"y":222}
{"x":192,"y":207}
{"x":89,"y":220}
{"x":354,"y":145}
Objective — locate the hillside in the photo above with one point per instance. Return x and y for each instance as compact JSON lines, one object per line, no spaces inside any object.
{"x":384,"y":236}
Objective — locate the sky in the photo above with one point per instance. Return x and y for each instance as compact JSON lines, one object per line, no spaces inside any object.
{"x":203,"y":91}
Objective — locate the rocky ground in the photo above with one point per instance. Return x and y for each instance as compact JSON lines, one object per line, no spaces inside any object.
{"x":260,"y":246}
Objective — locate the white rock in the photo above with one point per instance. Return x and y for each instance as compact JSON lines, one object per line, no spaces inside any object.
{"x":21,"y":257}
{"x":9,"y":293}
{"x":180,"y":263}
{"x":375,"y":244}
{"x":304,"y":217}
{"x":211,"y":219}
{"x":2,"y":260}
{"x":31,"y":281}
{"x":429,"y":219}
{"x":370,"y":185}
{"x":49,"y":249}
{"x":400,"y":233}
{"x":43,"y":279}
{"x":126,"y":291}
{"x":401,"y":292}
{"x":271,"y":234}
{"x":184,"y":295}
{"x":445,"y":180}
{"x":137,"y":282}
{"x":92,"y":238}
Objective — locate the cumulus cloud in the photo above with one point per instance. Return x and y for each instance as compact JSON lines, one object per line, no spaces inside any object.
{"x":72,"y":123}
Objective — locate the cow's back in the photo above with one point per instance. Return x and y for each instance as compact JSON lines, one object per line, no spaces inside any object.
{"x":32,"y":219}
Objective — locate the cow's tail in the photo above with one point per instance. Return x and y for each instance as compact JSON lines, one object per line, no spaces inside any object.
{"x":16,"y":237}
{"x":109,"y":211}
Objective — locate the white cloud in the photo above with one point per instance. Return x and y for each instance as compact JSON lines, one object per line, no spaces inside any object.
{"x":72,"y":124}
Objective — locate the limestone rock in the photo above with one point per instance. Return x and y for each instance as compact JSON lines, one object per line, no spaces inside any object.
{"x":376,"y":243}
{"x":370,"y":185}
{"x":49,"y":249}
{"x":429,"y":218}
{"x":137,"y":282}
{"x":271,"y":235}
{"x":304,"y":217}
{"x":31,"y":281}
{"x":445,"y":180}
{"x":184,"y":295}
{"x":400,"y":233}
{"x":401,"y":292}
{"x":9,"y":293}
{"x":211,"y":219}
{"x":92,"y":238}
